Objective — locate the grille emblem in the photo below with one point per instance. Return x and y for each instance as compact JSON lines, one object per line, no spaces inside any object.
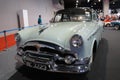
{"x":37,"y":46}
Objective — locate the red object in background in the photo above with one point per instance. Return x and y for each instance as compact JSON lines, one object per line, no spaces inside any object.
{"x":107,"y":18}
{"x":10,"y":42}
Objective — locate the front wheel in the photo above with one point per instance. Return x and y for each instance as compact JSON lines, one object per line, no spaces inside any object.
{"x":107,"y":25}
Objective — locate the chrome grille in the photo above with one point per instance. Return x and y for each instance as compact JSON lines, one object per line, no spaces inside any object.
{"x":43,"y":52}
{"x":40,"y":46}
{"x":38,"y":57}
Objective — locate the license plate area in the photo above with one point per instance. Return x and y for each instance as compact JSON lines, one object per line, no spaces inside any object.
{"x":37,"y":65}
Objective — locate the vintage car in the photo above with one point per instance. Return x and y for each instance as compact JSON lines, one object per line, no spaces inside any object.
{"x":107,"y":22}
{"x":116,"y":24}
{"x":66,"y":45}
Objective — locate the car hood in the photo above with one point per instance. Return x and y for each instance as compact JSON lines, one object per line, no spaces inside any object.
{"x":59,"y":33}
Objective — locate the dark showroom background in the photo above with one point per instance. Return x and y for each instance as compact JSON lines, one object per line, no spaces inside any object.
{"x":19,"y":14}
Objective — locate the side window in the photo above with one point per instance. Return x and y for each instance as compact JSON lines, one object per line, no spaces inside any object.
{"x":65,"y":17}
{"x":87,"y":16}
{"x":95,"y":16}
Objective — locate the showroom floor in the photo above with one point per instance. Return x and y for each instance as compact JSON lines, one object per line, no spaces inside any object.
{"x":105,"y":67}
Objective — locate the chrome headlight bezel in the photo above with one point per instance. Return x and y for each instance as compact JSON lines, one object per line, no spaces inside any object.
{"x":76,"y":41}
{"x":17,"y":39}
{"x":20,"y":51}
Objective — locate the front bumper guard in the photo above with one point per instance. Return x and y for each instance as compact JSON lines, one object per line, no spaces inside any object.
{"x":52,"y":67}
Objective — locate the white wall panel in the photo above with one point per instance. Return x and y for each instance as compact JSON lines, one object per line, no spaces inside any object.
{"x":10,"y":8}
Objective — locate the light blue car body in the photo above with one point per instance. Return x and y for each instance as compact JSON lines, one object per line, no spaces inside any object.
{"x":70,"y":59}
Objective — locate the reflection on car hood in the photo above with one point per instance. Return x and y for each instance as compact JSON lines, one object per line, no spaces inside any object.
{"x":59,"y":33}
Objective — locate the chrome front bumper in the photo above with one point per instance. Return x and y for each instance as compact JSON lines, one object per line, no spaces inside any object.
{"x":51,"y":66}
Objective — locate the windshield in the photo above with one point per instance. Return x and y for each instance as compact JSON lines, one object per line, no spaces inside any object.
{"x":73,"y":16}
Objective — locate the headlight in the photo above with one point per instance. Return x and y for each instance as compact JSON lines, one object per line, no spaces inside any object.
{"x":17,"y":38}
{"x":69,"y":59}
{"x":76,"y":41}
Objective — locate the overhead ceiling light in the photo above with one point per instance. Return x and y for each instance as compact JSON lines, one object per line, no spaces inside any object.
{"x":76,"y":4}
{"x":77,"y":1}
{"x":88,"y":0}
{"x":113,"y":2}
{"x":94,"y":3}
{"x":99,"y":0}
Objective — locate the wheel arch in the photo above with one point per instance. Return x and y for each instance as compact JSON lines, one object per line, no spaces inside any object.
{"x":93,"y":47}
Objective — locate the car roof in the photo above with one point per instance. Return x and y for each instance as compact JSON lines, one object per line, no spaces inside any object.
{"x":75,"y":10}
